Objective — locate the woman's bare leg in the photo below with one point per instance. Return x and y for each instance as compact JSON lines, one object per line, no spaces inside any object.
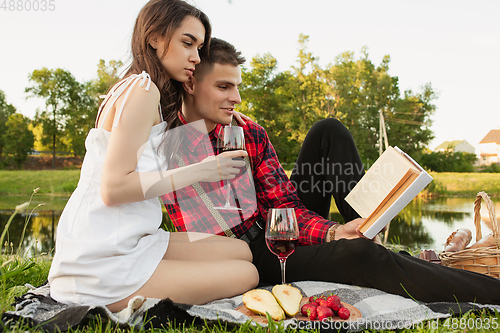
{"x":197,"y":269}
{"x":201,"y":246}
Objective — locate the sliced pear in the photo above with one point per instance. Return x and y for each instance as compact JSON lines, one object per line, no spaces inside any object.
{"x":288,"y":297}
{"x":261,"y":301}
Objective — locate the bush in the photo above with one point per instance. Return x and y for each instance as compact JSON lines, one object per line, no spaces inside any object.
{"x":493,"y":168}
{"x":448,"y":161}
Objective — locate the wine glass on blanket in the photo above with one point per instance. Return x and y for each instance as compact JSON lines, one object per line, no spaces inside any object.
{"x":282,"y":234}
{"x":230,"y":138}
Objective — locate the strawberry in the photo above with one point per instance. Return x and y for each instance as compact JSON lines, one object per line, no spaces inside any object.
{"x":324,"y":312}
{"x":322,"y":302}
{"x":344,"y":313}
{"x":333,"y":302}
{"x":307,"y":307}
{"x":312,"y":313}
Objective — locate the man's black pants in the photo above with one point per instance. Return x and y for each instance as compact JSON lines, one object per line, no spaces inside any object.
{"x":360,"y":262}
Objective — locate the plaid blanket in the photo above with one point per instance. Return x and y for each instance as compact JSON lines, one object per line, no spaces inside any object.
{"x":380,"y":311}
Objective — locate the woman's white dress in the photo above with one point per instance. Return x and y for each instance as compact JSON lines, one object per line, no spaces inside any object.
{"x":104,"y":254}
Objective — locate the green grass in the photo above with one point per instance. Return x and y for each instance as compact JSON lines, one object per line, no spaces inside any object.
{"x":22,"y":182}
{"x":50,"y":202}
{"x":465,"y":184}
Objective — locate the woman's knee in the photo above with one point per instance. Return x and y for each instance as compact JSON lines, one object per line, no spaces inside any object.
{"x":243,"y":250}
{"x":250,"y":276}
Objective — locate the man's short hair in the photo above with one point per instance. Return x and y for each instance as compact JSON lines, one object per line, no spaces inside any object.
{"x":220,"y":52}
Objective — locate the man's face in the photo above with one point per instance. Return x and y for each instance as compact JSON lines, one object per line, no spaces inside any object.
{"x":216,"y":95}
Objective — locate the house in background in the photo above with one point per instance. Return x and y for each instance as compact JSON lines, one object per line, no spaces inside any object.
{"x":456,"y":146}
{"x":490,"y":148}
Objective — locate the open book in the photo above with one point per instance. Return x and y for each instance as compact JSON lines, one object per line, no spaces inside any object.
{"x":386,"y":188}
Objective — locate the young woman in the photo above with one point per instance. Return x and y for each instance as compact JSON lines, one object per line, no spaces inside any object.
{"x":109,"y":245}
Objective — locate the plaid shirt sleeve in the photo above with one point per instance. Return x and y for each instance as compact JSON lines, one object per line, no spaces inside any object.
{"x":274,"y":189}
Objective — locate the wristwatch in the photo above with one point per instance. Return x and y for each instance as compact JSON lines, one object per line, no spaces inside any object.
{"x":331,"y":231}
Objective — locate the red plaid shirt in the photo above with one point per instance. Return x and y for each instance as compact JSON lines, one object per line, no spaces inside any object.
{"x":273,"y":189}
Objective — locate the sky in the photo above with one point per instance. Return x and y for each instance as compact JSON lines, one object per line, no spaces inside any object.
{"x":453,"y":45}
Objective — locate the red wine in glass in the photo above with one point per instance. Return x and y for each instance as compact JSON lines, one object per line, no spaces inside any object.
{"x":282,"y":234}
{"x":282,"y":247}
{"x":230,"y":138}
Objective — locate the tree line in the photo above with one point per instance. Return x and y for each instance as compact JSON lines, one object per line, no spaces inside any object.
{"x":287,"y":103}
{"x":353,"y":90}
{"x":69,"y":113}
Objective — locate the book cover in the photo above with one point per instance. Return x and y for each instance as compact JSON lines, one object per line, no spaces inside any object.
{"x":386,"y":188}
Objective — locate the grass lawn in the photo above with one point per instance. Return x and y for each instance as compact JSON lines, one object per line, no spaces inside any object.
{"x":22,"y":182}
{"x":465,"y":184}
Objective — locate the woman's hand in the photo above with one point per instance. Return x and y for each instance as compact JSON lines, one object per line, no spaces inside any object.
{"x":222,"y":166}
{"x":240,"y":117}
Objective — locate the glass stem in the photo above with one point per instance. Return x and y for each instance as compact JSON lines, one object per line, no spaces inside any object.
{"x":282,"y":264}
{"x":228,"y":192}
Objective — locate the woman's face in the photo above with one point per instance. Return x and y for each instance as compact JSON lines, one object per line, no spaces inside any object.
{"x":182,"y":53}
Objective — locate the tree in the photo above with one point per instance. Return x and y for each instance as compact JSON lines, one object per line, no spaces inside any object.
{"x":6,"y":110}
{"x":84,"y":109}
{"x":62,"y":92}
{"x":352,"y":90}
{"x":309,"y":102}
{"x":409,"y":123}
{"x":286,"y":103}
{"x":359,"y":90}
{"x":19,"y":140}
{"x":107,"y":76}
{"x":266,"y":96}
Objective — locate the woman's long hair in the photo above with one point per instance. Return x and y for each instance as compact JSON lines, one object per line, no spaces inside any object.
{"x":163,"y":17}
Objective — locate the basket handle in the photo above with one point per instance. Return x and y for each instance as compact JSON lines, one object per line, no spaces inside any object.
{"x":477,"y":215}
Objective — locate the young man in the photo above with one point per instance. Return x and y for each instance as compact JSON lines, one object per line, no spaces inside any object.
{"x":327,"y":251}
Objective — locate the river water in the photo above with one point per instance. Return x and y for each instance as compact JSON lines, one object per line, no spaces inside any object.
{"x":423,"y":224}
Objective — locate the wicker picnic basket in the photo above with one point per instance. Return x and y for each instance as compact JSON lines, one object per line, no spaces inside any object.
{"x":485,"y":260}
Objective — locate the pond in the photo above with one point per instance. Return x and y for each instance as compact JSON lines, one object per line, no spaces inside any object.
{"x":423,"y":224}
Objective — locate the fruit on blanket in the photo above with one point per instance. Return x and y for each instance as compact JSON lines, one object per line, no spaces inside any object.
{"x":344,"y":313}
{"x":307,"y":308}
{"x":261,"y":301}
{"x":324,"y":312}
{"x":312,"y":314}
{"x":288,"y":297}
{"x":304,"y":308}
{"x":322,"y":302}
{"x":333,"y":302}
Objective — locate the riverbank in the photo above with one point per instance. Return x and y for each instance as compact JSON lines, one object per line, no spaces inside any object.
{"x":63,"y":182}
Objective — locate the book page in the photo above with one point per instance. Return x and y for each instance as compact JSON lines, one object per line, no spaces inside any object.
{"x":380,"y":180}
{"x":407,"y":180}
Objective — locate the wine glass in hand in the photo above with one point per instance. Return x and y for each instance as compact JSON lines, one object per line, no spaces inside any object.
{"x":230,"y":138}
{"x":282,"y":234}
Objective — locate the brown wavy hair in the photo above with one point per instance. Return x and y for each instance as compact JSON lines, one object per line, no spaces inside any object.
{"x":163,"y":17}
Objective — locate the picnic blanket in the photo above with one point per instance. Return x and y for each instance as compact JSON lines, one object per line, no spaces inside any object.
{"x":380,"y":311}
